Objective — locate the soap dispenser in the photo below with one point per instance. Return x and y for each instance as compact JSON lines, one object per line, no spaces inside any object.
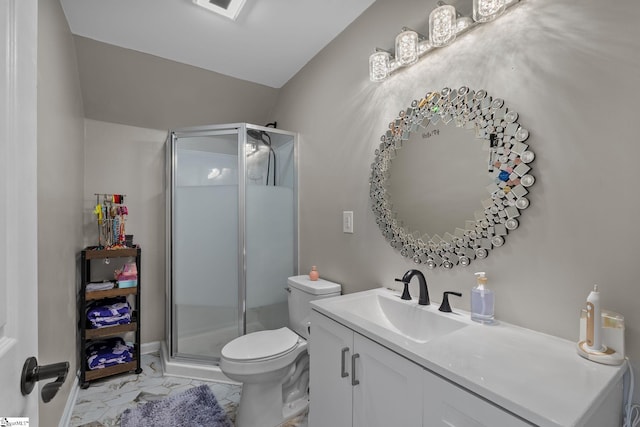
{"x":482,"y":300}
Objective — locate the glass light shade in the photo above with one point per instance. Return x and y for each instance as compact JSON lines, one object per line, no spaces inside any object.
{"x":379,"y":66}
{"x":407,"y":48}
{"x":464,"y":23}
{"x":442,"y":25}
{"x":487,"y":10}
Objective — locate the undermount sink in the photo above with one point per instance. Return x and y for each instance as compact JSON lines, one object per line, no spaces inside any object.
{"x":386,"y":310}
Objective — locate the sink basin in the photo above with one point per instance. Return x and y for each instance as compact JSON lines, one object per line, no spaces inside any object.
{"x":386,"y":310}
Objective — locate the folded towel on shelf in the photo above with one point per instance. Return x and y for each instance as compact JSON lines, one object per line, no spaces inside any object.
{"x":109,"y":312}
{"x":108,"y":307}
{"x":109,"y":352}
{"x":103,"y":322}
{"x":100,"y":286}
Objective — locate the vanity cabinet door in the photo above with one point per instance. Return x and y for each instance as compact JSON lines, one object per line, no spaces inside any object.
{"x":330,"y":389}
{"x":447,"y":405}
{"x":389,"y":389}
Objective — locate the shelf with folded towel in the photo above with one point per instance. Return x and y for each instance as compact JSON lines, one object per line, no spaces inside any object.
{"x":110,"y":293}
{"x":111,"y":370}
{"x":106,"y":314}
{"x":108,"y":331}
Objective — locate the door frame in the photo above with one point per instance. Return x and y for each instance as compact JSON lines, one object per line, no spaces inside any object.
{"x":18,"y":203}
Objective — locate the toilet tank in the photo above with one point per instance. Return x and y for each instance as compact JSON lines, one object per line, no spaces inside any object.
{"x":302,"y":290}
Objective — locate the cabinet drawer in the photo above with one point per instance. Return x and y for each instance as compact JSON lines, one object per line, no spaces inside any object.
{"x":447,"y":405}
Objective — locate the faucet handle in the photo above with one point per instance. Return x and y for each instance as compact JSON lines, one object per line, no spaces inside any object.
{"x":405,"y":293}
{"x":445,"y":301}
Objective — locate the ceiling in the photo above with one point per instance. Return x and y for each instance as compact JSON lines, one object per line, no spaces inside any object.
{"x":269,"y":42}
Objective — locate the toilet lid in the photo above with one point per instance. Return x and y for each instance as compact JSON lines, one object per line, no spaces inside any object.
{"x":261,"y":345}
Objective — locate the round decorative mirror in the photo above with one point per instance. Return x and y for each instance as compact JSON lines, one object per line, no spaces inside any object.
{"x":472,"y":148}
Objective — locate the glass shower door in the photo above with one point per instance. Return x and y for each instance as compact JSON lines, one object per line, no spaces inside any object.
{"x":270,"y":236}
{"x":205,"y":254}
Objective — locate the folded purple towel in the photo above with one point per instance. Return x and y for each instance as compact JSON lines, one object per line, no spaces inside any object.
{"x":108,"y":308}
{"x":103,"y":322}
{"x":109,"y":352}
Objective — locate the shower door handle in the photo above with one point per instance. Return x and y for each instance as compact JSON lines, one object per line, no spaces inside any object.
{"x":343,"y":363}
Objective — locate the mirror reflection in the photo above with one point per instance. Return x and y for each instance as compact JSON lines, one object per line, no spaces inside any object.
{"x":437,"y":178}
{"x":451,"y":177}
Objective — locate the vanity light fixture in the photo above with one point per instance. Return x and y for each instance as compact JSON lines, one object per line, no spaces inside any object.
{"x":379,"y":65}
{"x":445,"y":23}
{"x":442,"y":25}
{"x":407,"y":49}
{"x":487,"y":10}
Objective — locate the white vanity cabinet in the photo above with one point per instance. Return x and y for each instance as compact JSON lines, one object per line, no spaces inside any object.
{"x":447,"y":405}
{"x":413,"y":365}
{"x":356,"y":382}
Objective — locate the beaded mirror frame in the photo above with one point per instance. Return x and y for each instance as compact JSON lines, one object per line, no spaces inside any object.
{"x":509,"y":176}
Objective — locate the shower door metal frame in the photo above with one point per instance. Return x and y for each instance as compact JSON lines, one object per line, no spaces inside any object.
{"x":239,"y":129}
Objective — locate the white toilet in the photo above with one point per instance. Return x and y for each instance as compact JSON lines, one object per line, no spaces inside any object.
{"x":274,"y":365}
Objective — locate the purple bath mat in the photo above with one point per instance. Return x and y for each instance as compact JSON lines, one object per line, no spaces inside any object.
{"x":196,"y":407}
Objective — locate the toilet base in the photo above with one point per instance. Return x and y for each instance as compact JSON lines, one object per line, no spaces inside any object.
{"x":261,"y":406}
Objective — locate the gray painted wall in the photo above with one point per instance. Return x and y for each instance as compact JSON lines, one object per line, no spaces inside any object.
{"x":570,"y":69}
{"x":130,"y":160}
{"x":124,"y":86}
{"x":60,"y":184}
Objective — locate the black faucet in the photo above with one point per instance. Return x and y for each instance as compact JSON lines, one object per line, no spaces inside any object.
{"x":424,"y":292}
{"x":445,"y":306}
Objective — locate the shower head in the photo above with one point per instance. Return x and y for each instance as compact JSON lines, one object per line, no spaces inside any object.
{"x":258,"y":135}
{"x":265,"y":138}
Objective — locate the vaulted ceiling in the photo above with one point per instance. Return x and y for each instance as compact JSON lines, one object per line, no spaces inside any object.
{"x":268,"y":43}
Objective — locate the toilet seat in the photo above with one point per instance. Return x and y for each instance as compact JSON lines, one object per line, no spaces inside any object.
{"x":261,"y":345}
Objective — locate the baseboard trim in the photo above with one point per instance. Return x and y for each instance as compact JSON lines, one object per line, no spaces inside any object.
{"x":150,"y":347}
{"x":190,"y":369}
{"x":65,"y":420}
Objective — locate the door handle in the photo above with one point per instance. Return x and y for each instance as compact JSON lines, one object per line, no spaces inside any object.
{"x":354,"y":381}
{"x":32,"y":373}
{"x":343,"y":371}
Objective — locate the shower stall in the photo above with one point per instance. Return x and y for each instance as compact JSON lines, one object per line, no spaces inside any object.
{"x":231,"y":237}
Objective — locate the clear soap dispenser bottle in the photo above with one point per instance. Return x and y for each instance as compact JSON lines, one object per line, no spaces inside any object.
{"x":482,"y":300}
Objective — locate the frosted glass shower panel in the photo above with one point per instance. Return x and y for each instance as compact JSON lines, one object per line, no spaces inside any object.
{"x":205,"y":256}
{"x":270,"y":229}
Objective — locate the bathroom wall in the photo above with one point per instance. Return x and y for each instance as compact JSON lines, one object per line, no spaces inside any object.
{"x":60,"y":177}
{"x":131,"y":100}
{"x":570,"y":69}
{"x":128,"y":87}
{"x":130,"y":160}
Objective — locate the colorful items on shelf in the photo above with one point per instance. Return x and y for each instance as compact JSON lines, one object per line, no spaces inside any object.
{"x":127,"y":277}
{"x":111,"y":215}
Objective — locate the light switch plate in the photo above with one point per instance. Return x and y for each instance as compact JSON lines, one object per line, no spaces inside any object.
{"x":347,"y":221}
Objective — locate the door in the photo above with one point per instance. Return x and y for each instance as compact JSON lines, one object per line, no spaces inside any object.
{"x":330,"y":389}
{"x":206,"y":247}
{"x":389,"y":389}
{"x":18,"y":204}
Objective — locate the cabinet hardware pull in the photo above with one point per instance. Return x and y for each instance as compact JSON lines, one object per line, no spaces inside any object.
{"x":354,"y":381}
{"x":343,"y":371}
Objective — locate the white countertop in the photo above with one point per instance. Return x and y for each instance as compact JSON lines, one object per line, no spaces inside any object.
{"x":539,"y":377}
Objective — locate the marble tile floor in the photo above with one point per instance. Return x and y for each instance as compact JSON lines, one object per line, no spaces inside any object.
{"x":102,"y":404}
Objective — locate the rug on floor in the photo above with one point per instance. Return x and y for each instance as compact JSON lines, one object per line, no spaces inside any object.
{"x":191,"y":408}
